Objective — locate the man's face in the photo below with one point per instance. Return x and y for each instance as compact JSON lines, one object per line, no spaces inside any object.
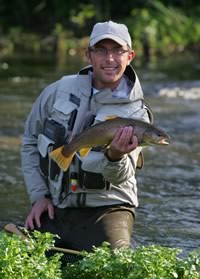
{"x":109,"y":61}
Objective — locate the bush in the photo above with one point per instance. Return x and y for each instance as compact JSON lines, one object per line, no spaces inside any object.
{"x":21,"y":261}
{"x":153,"y":262}
{"x":26,"y":259}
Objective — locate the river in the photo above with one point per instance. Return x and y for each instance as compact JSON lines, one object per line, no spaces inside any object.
{"x":169,"y":183}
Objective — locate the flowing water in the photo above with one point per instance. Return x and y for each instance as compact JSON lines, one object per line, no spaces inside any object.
{"x":169,"y":183}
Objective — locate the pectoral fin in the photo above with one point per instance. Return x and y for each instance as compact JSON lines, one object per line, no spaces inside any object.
{"x":140,"y":161}
{"x":84,"y":151}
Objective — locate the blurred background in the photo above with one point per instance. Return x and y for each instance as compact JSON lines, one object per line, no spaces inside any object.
{"x":40,"y":41}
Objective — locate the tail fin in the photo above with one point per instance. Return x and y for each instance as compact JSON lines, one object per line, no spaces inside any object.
{"x":62,"y":161}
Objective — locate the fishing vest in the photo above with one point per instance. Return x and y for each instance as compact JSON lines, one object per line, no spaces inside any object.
{"x":72,"y":112}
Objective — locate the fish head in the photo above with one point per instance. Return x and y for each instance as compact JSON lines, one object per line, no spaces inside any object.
{"x":157,"y":136}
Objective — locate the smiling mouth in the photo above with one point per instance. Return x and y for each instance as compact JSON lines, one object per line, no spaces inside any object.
{"x":109,"y":68}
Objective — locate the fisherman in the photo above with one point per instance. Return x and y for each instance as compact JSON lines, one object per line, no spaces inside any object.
{"x":95,"y":199}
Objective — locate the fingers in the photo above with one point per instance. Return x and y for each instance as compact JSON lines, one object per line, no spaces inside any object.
{"x":51,"y":210}
{"x":37,"y":219}
{"x":125,"y":140}
{"x":126,"y":136}
{"x":33,"y":219}
{"x":123,"y":143}
{"x":29,"y":223}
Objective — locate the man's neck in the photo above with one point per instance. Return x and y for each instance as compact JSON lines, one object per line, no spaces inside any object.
{"x":112,"y":86}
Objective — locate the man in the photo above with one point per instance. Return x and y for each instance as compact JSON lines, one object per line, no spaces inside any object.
{"x":95,"y":200}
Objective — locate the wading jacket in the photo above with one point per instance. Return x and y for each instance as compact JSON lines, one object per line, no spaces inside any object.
{"x":57,"y":102}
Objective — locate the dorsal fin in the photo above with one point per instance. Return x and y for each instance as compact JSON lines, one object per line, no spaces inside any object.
{"x":111,"y":117}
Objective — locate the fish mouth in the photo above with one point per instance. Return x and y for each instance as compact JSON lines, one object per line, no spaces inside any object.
{"x":163,"y":141}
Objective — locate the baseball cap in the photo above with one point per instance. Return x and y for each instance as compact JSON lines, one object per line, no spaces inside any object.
{"x":110,"y":30}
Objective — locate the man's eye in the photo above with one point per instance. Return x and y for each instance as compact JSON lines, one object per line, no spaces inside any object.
{"x":100,"y":50}
{"x":117,"y":51}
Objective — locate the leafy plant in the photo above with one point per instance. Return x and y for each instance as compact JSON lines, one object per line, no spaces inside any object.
{"x":153,"y":262}
{"x":189,"y":268}
{"x":163,"y":29}
{"x":20,"y":259}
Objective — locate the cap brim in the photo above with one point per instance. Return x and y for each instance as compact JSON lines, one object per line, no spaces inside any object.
{"x":97,"y":39}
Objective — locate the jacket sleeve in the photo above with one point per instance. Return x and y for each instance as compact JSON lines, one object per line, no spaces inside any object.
{"x":35,"y":183}
{"x":122,"y":170}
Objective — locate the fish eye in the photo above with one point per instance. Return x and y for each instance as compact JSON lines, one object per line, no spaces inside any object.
{"x":160,"y":134}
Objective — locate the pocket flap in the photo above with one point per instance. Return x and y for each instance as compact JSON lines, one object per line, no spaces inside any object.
{"x":43,"y":144}
{"x":65,"y":107}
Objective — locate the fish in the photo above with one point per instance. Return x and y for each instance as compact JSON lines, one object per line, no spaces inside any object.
{"x":102,"y":133}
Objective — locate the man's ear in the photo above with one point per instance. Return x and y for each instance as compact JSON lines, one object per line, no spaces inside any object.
{"x":131,"y":56}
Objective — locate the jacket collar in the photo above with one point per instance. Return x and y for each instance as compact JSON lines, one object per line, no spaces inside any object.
{"x":105,"y":96}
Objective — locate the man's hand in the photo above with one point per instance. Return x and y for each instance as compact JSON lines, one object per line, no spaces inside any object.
{"x":38,"y":208}
{"x":123,"y":143}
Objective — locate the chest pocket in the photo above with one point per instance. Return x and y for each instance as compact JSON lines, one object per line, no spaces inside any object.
{"x":62,"y":110}
{"x":56,"y":132}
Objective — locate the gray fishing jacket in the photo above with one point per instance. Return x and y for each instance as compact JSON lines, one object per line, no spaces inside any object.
{"x":57,"y":102}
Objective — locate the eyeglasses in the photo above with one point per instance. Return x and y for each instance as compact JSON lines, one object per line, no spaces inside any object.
{"x":101,"y":51}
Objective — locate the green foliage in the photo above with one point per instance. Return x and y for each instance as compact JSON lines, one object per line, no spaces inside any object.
{"x":62,"y":26}
{"x":86,"y":12}
{"x":22,"y":260}
{"x":27,"y":260}
{"x":154,"y":262}
{"x":164,"y":29}
{"x":189,"y":268}
{"x":23,"y":41}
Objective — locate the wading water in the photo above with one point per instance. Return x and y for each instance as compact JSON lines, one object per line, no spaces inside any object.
{"x":168,"y":184}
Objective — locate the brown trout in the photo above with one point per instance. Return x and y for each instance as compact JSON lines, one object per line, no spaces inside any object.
{"x":101,"y":134}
